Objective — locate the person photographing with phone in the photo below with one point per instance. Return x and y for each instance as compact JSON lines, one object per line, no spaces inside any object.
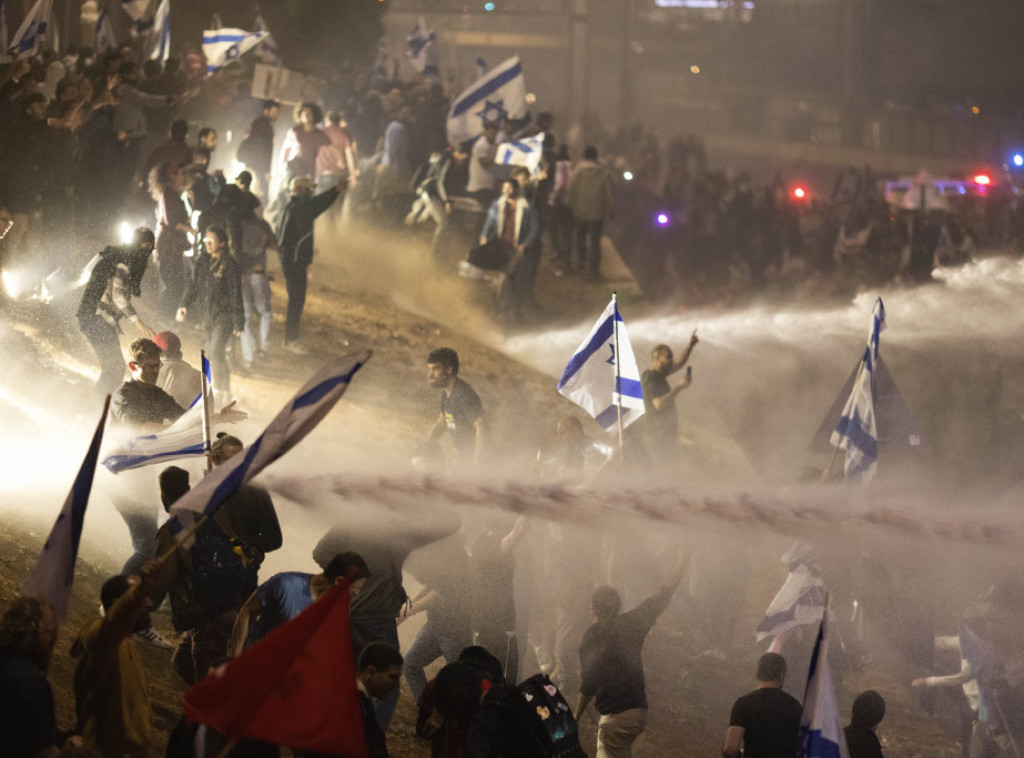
{"x":660,"y":424}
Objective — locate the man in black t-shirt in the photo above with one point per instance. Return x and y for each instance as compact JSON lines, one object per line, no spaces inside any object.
{"x":660,"y":423}
{"x":612,"y":666}
{"x":462,"y":414}
{"x":766,"y":722}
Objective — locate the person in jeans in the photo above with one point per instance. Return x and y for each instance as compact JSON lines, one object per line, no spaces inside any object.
{"x":215,"y":297}
{"x":257,"y":240}
{"x":591,"y":199}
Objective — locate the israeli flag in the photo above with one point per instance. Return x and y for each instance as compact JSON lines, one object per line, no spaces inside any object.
{"x":856,"y":432}
{"x":298,"y":418}
{"x":54,"y":572}
{"x":801,"y":599}
{"x":422,"y":56}
{"x":30,"y":35}
{"x":495,"y":97}
{"x":525,"y":152}
{"x":267,"y":51}
{"x":160,"y":41}
{"x":182,"y":439}
{"x":821,"y":731}
{"x":590,"y":378}
{"x":224,"y":46}
{"x":106,"y":40}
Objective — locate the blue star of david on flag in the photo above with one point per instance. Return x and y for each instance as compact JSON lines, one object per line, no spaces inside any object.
{"x":496,"y":108}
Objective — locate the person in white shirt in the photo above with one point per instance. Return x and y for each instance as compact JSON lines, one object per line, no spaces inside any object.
{"x":177,"y":378}
{"x":482,"y":177}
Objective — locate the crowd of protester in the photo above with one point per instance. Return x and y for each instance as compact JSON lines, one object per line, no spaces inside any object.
{"x":86,"y":139}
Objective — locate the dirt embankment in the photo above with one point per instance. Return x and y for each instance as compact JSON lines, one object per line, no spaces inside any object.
{"x":382,"y":292}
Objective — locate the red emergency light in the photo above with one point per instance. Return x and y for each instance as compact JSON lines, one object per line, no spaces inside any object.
{"x":983,"y":179}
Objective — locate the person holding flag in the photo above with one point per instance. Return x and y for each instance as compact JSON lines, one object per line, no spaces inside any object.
{"x":111,"y":693}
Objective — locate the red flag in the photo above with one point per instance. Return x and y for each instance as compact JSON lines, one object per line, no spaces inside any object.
{"x":295,"y":687}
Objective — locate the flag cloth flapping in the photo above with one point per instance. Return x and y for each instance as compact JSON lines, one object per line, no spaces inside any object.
{"x":589,"y":379}
{"x":30,"y":35}
{"x":857,"y":433}
{"x":182,"y":439}
{"x":105,"y":40}
{"x":525,"y":152}
{"x":54,"y":572}
{"x":801,"y":599}
{"x":821,"y":731}
{"x":497,"y":96}
{"x":158,"y":46}
{"x":295,"y":687}
{"x":223,"y":46}
{"x":298,"y":418}
{"x":421,"y":52}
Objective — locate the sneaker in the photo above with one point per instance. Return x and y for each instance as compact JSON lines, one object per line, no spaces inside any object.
{"x":295,"y":348}
{"x":151,"y":636}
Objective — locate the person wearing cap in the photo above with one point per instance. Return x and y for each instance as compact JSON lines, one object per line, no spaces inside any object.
{"x":177,"y":378}
{"x":295,"y":247}
{"x":248,"y":199}
{"x":113,"y":277}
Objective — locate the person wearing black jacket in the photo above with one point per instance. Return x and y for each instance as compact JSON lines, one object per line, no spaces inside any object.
{"x":256,"y":151}
{"x":115,"y":276}
{"x":214,"y":297}
{"x":295,"y":246}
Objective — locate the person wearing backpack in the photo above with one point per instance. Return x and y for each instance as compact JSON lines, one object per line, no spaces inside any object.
{"x":114,"y":276}
{"x":209,"y":582}
{"x":612,"y":666}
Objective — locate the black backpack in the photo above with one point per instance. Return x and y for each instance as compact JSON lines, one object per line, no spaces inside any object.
{"x":538,"y":711}
{"x":223,"y":567}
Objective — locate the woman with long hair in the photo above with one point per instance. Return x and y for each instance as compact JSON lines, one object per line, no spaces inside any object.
{"x":214,"y":301}
{"x":166,"y":183}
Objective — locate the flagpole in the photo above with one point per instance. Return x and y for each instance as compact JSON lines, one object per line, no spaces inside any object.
{"x":618,"y":370}
{"x":179,"y":542}
{"x":207,"y":441}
